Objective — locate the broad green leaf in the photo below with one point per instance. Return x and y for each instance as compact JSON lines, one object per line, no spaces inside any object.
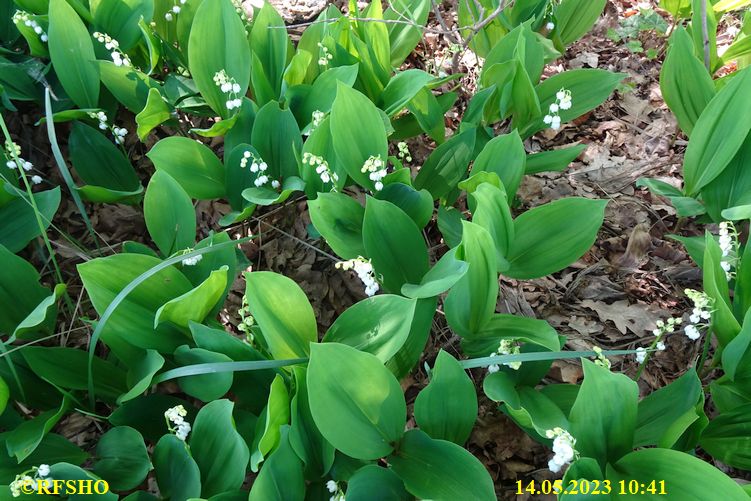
{"x":146,"y":414}
{"x":270,"y":422}
{"x":269,"y":196}
{"x":445,"y":418}
{"x":673,"y":468}
{"x":119,"y":19}
{"x":726,"y":5}
{"x":72,"y":54}
{"x":205,"y":387}
{"x":177,"y":473}
{"x":195,"y":306}
{"x":440,"y":278}
{"x":402,"y":88}
{"x":552,"y":160}
{"x":417,"y":204}
{"x":395,"y":245}
{"x":122,"y":459}
{"x":507,"y":326}
{"x":218,"y":42}
{"x":552,"y":236}
{"x":374,"y":478}
{"x":169,"y":214}
{"x":492,"y":213}
{"x":323,"y":92}
{"x":129,"y":86}
{"x":377,"y":325}
{"x":307,"y":442}
{"x":732,"y":187}
{"x":505,"y":156}
{"x":153,"y":114}
{"x":281,"y":476}
{"x":52,"y":449}
{"x":447,"y":165}
{"x":66,"y":367}
{"x":20,"y":291}
{"x":19,"y":220}
{"x":339,"y":219}
{"x":356,"y":403}
{"x":408,"y":356}
{"x":685,"y":83}
{"x":355,"y":145}
{"x":41,"y":318}
{"x":471,"y":301}
{"x":27,"y":436}
{"x":574,"y":18}
{"x":604,"y":416}
{"x":589,"y":88}
{"x":718,"y":135}
{"x":726,"y":438}
{"x":440,"y":470}
{"x":218,"y":449}
{"x":404,"y":37}
{"x":276,"y":137}
{"x":4,"y":395}
{"x":140,"y":373}
{"x":283,"y":313}
{"x":269,"y":42}
{"x":191,"y":164}
{"x":132,"y":323}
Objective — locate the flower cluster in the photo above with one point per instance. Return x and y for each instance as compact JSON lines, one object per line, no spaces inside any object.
{"x":324,"y":56}
{"x":174,"y":10}
{"x":119,"y":57}
{"x":550,"y":26}
{"x":601,"y":359}
{"x":563,"y":448}
{"x":562,"y":102}
{"x":702,"y":311}
{"x":25,"y":483}
{"x":25,"y":18}
{"x":176,"y":416}
{"x":317,"y":118}
{"x":13,"y":151}
{"x":322,"y":168}
{"x":377,"y":170}
{"x":404,"y":153}
{"x":230,"y":87}
{"x":238,"y":5}
{"x":506,"y":347}
{"x":365,"y":272}
{"x":334,"y":489}
{"x":246,"y":320}
{"x":258,"y":166}
{"x":659,"y":332}
{"x":118,"y":133}
{"x":728,"y":244}
{"x":193,"y":260}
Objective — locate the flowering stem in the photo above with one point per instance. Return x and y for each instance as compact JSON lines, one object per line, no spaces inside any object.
{"x":704,"y":353}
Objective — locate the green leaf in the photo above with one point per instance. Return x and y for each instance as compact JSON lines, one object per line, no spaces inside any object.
{"x":377,"y":325}
{"x":674,"y":467}
{"x":67,"y":472}
{"x":732,"y":188}
{"x":129,"y":86}
{"x":444,"y":418}
{"x":218,"y":42}
{"x":492,"y":212}
{"x":269,"y":42}
{"x":574,"y":18}
{"x":471,"y":301}
{"x":417,"y":204}
{"x":505,"y":156}
{"x":270,"y":422}
{"x":20,"y":291}
{"x":603,"y":418}
{"x":553,"y":160}
{"x":283,"y":313}
{"x":122,"y":459}
{"x":194,"y":306}
{"x":169,"y":214}
{"x":218,"y":449}
{"x":205,"y":387}
{"x":146,"y":414}
{"x":119,"y":19}
{"x":507,"y":326}
{"x":72,"y":54}
{"x":440,"y":470}
{"x":354,"y":145}
{"x":269,"y":196}
{"x":53,"y":448}
{"x":394,"y":243}
{"x":426,"y":114}
{"x":726,"y":438}
{"x":304,"y":437}
{"x":191,"y":164}
{"x":447,"y":165}
{"x":276,"y":136}
{"x":339,"y":219}
{"x":718,"y":135}
{"x":373,"y":478}
{"x":685,"y":83}
{"x":402,"y":88}
{"x":19,"y":221}
{"x":153,"y":114}
{"x":140,"y":373}
{"x":356,"y":403}
{"x":282,"y":474}
{"x":177,"y":473}
{"x":27,"y":436}
{"x":441,"y":277}
{"x":552,"y":236}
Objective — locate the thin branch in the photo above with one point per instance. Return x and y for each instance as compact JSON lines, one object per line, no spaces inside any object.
{"x":705,"y":35}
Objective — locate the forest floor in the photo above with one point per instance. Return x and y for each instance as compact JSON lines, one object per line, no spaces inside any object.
{"x":611,"y":298}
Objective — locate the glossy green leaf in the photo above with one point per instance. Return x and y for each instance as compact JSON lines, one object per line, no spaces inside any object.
{"x":356,"y":403}
{"x":283,"y":313}
{"x":417,"y":204}
{"x":72,"y":53}
{"x":119,"y":19}
{"x":402,"y":88}
{"x":440,"y":470}
{"x":552,"y":160}
{"x":195,"y":305}
{"x":191,"y":164}
{"x":27,"y":436}
{"x":404,"y":37}
{"x":373,"y":478}
{"x":732,"y":187}
{"x":169,"y":214}
{"x":20,"y":291}
{"x":177,"y":473}
{"x":205,"y":387}
{"x":153,"y":114}
{"x":507,"y":326}
{"x":445,"y":418}
{"x":270,"y":422}
{"x":218,"y":42}
{"x":440,"y":278}
{"x":394,"y":244}
{"x":447,"y":165}
{"x":307,"y":442}
{"x":281,"y":476}
{"x":129,"y":86}
{"x":19,"y":221}
{"x":122,"y":459}
{"x":719,"y":133}
{"x":140,"y":373}
{"x":552,"y":236}
{"x":377,"y":325}
{"x":493,"y":213}
{"x":574,"y":18}
{"x":339,"y":219}
{"x":218,"y":449}
{"x":66,"y":472}
{"x":505,"y":156}
{"x":269,"y":42}
{"x":276,"y":136}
